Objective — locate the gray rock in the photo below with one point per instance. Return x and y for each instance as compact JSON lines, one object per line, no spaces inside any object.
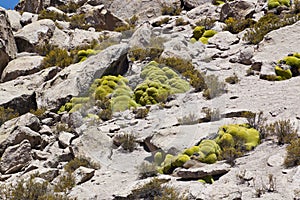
{"x":8,"y":48}
{"x":190,"y":4}
{"x":14,"y":19}
{"x":202,"y":11}
{"x":40,"y":155}
{"x":16,"y":157}
{"x":101,"y":18}
{"x":60,"y":39}
{"x":64,"y":138}
{"x":34,"y":34}
{"x":80,"y":37}
{"x":141,"y":37}
{"x":216,"y":169}
{"x":276,"y":160}
{"x":28,"y":18}
{"x":76,"y":79}
{"x":240,"y":9}
{"x":83,"y":174}
{"x":21,"y":66}
{"x":223,"y":40}
{"x":245,"y":55}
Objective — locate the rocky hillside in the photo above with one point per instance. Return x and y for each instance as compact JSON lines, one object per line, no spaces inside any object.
{"x":186,"y":99}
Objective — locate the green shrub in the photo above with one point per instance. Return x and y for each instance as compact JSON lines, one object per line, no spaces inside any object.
{"x":39,"y":112}
{"x":238,"y":25}
{"x":78,"y":162}
{"x":7,"y":114}
{"x":141,"y":54}
{"x":78,"y":21}
{"x":198,"y":32}
{"x":282,"y":74}
{"x":57,"y":57}
{"x":214,"y":87}
{"x":293,"y":151}
{"x":268,"y":23}
{"x":82,"y":55}
{"x":45,"y":14}
{"x":275,"y":3}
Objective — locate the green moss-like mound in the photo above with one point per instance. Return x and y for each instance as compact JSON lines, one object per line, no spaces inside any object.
{"x":275,"y":3}
{"x":282,"y":74}
{"x":198,"y":32}
{"x":84,"y":54}
{"x":202,"y":35}
{"x":240,"y":133}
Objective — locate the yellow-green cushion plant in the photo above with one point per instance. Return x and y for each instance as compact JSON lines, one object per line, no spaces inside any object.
{"x":84,"y":54}
{"x":282,"y":74}
{"x":240,"y":133}
{"x":209,"y":33}
{"x":275,"y":3}
{"x":198,"y":32}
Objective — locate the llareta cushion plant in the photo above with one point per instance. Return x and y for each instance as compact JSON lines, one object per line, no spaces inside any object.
{"x":287,"y":67}
{"x":200,"y":34}
{"x":238,"y":136}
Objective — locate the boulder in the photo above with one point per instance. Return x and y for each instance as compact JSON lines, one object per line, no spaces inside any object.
{"x":21,"y":66}
{"x":14,"y":19}
{"x":216,"y":169}
{"x":83,"y":174}
{"x":65,"y":138}
{"x":8,"y":48}
{"x":16,"y":157}
{"x":100,"y":18}
{"x":190,"y":4}
{"x":61,"y":39}
{"x":28,"y":18}
{"x":240,"y":9}
{"x":206,"y":9}
{"x":34,"y":34}
{"x":80,"y":37}
{"x":20,"y":93}
{"x":223,"y":40}
{"x":76,"y":79}
{"x":141,"y":37}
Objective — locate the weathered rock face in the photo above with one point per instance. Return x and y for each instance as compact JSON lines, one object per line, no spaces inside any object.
{"x":21,"y":67}
{"x":35,"y":6}
{"x":15,"y":19}
{"x":36,"y":33}
{"x":238,"y":9}
{"x":16,"y":157}
{"x":8,"y":48}
{"x":101,"y":18}
{"x":190,"y":4}
{"x":76,"y":79}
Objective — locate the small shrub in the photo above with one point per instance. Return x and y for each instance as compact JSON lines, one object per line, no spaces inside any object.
{"x":7,"y":114}
{"x":188,"y":120}
{"x":232,"y":79}
{"x":258,"y":122}
{"x":60,"y":127}
{"x":66,"y":183}
{"x":57,"y":57}
{"x":141,"y":113}
{"x":45,"y":14}
{"x":78,"y":162}
{"x":237,"y":25}
{"x":126,"y":141}
{"x":155,"y":190}
{"x":78,"y":21}
{"x":164,"y":20}
{"x":71,"y":7}
{"x":212,"y":114}
{"x":141,"y":54}
{"x":147,"y":170}
{"x":180,"y":22}
{"x":38,"y":112}
{"x":293,"y":151}
{"x":170,"y":10}
{"x":230,"y":154}
{"x":214,"y":87}
{"x":284,"y":131}
{"x":207,"y":23}
{"x":296,"y":7}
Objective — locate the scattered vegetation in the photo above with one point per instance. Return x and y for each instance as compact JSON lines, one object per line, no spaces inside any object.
{"x":213,"y":87}
{"x":45,"y":14}
{"x":230,"y":154}
{"x":155,"y":190}
{"x":78,"y":162}
{"x":57,"y":57}
{"x":146,"y":170}
{"x":151,"y":53}
{"x":71,"y":7}
{"x":65,"y":183}
{"x":164,"y":20}
{"x":268,"y":23}
{"x":38,"y":112}
{"x":170,"y":10}
{"x":126,"y":141}
{"x":141,"y":113}
{"x":263,"y":188}
{"x":238,"y":25}
{"x":31,"y":188}
{"x":131,"y":24}
{"x":234,"y":79}
{"x":180,"y":22}
{"x":258,"y":122}
{"x":188,"y":120}
{"x":212,"y":114}
{"x":202,"y":35}
{"x":7,"y":114}
{"x":293,"y":151}
{"x":207,"y":23}
{"x":283,"y":130}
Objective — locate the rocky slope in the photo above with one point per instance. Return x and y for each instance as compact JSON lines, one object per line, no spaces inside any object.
{"x":59,"y":135}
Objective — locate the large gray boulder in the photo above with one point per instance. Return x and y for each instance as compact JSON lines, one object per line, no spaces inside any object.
{"x":101,"y":18}
{"x":141,"y":37}
{"x":16,"y":157}
{"x":15,"y":19}
{"x":35,"y":6}
{"x":22,"y":66}
{"x":20,"y":93}
{"x":240,"y":9}
{"x":34,"y":34}
{"x":8,"y":48}
{"x":76,"y":79}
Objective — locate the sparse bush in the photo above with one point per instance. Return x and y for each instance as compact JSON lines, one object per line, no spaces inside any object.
{"x":60,"y":127}
{"x":141,"y":113}
{"x":207,"y":23}
{"x":284,"y":131}
{"x":38,"y":112}
{"x":78,"y":162}
{"x":293,"y":151}
{"x":180,"y":22}
{"x":258,"y":122}
{"x":154,"y":190}
{"x":188,"y":120}
{"x":66,"y":183}
{"x":214,"y":87}
{"x":147,"y":170}
{"x":164,"y":20}
{"x":126,"y":141}
{"x":7,"y":114}
{"x":212,"y":114}
{"x":232,"y":79}
{"x":45,"y":14}
{"x":78,"y":21}
{"x":230,"y":154}
{"x":141,"y":54}
{"x":170,"y":10}
{"x":238,"y":25}
{"x":57,"y":57}
{"x":71,"y":7}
